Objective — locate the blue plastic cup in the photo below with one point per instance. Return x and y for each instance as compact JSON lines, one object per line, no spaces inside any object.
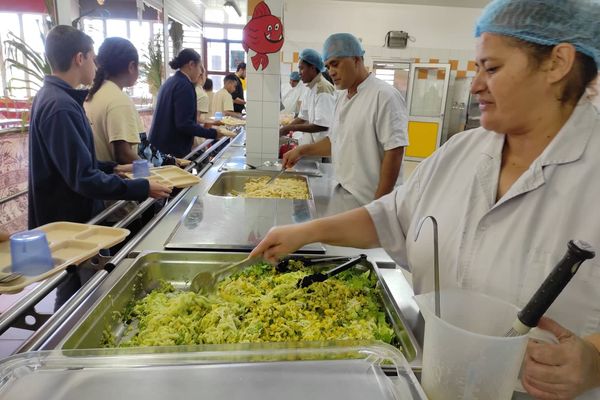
{"x":30,"y":253}
{"x":141,"y":169}
{"x":218,"y":115}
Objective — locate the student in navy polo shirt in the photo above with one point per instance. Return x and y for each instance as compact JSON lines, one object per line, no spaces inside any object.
{"x":174,"y":124}
{"x":66,"y":182}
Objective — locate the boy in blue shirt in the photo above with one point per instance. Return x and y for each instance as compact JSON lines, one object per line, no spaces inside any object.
{"x":66,"y":182}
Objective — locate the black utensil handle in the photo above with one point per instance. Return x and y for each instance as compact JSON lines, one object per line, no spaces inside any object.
{"x":319,"y":260}
{"x":577,"y":252}
{"x":345,"y":266}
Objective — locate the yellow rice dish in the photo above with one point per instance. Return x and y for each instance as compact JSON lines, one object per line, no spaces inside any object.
{"x":260,"y":305}
{"x":281,"y":188}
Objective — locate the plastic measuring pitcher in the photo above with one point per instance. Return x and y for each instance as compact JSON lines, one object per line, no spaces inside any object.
{"x":465,"y":355}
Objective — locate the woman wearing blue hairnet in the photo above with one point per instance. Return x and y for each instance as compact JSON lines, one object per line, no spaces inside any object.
{"x":507,"y":196}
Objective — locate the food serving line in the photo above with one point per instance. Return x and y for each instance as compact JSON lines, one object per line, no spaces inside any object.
{"x":203,"y":228}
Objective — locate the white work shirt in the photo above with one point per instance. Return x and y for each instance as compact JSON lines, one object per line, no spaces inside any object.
{"x":373,"y":121}
{"x":202,"y":100}
{"x":318,"y":104}
{"x":291,"y":100}
{"x":504,"y":248}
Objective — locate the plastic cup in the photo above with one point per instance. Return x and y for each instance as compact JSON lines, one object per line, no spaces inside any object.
{"x":218,"y":115}
{"x":465,"y":353}
{"x":30,"y":253}
{"x":141,"y":169}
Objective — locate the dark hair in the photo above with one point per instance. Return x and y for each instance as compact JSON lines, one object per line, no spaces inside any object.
{"x":241,"y":65}
{"x":230,"y":78}
{"x":584,"y":69}
{"x":327,"y":76}
{"x":184,"y":57}
{"x":208,"y":85}
{"x":309,"y":65}
{"x":114,"y":56}
{"x":63,"y":43}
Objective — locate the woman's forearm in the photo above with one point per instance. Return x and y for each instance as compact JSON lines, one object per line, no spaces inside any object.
{"x":353,"y":228}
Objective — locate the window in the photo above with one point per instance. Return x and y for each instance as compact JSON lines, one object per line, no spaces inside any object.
{"x":222,"y":52}
{"x":116,"y":28}
{"x":140,"y":34}
{"x":22,"y":84}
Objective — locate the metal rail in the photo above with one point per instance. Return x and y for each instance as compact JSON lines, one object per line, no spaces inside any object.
{"x":13,"y":196}
{"x":42,"y":334}
{"x":25,"y":305}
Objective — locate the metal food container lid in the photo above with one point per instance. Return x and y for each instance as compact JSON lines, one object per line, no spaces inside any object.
{"x":213,"y":372}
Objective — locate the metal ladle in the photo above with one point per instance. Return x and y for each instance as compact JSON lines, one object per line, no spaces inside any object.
{"x":436,"y":261}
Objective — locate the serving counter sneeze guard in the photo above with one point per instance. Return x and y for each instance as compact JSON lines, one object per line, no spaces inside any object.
{"x":252,"y":372}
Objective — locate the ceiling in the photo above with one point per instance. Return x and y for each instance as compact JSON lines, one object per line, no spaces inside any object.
{"x":444,"y":3}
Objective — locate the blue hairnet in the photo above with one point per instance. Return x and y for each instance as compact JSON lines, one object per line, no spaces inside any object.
{"x":295,"y":76}
{"x":546,"y":22}
{"x":342,"y":45}
{"x":311,"y":57}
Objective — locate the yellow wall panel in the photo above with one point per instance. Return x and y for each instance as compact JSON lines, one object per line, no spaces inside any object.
{"x":422,"y":138}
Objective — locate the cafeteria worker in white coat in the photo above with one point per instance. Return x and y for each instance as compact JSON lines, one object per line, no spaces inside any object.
{"x":368,"y":133}
{"x":509,"y":195}
{"x":318,"y":101}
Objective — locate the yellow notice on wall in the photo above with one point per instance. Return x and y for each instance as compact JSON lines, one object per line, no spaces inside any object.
{"x":422,"y":137}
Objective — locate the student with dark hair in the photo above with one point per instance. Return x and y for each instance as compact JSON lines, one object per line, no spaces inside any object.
{"x":222,"y":101}
{"x":238,"y":94}
{"x":174,"y":125}
{"x":115,"y":121}
{"x":66,"y":182}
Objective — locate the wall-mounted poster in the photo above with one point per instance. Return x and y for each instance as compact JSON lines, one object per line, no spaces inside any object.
{"x":236,"y":57}
{"x":263,"y":34}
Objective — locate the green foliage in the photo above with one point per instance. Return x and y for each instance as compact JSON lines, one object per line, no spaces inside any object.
{"x":37,"y":65}
{"x":152,"y":68}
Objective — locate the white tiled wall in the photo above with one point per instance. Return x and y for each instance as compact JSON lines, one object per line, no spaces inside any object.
{"x":263,"y":103}
{"x":270,"y":112}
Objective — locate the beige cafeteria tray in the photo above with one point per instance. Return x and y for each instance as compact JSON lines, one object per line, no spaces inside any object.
{"x":70,"y":244}
{"x":232,"y":121}
{"x":172,"y":176}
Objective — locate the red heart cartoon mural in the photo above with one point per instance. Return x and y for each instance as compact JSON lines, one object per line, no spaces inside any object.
{"x":263,"y":34}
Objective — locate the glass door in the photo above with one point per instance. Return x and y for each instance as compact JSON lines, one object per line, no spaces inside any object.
{"x":394,"y":73}
{"x":427,"y":92}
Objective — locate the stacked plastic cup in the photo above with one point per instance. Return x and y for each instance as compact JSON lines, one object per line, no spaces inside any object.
{"x":141,"y":169}
{"x":30,"y":253}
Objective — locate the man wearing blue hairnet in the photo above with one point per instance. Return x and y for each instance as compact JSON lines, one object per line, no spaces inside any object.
{"x":369,"y":131}
{"x":316,"y":111}
{"x":292,"y":98}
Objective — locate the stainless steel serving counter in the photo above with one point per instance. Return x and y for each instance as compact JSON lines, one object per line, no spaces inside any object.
{"x":329,"y":199}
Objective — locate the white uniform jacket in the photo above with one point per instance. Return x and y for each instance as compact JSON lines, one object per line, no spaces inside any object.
{"x":504,"y":248}
{"x":373,"y":121}
{"x":318,"y":103}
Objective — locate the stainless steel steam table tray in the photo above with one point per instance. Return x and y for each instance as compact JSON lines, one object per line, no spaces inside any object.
{"x":219,"y":221}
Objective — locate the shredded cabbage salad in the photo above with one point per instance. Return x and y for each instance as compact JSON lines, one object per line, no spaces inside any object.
{"x":259,"y":304}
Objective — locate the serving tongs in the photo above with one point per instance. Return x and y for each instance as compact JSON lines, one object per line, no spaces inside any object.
{"x":321,"y":276}
{"x":207,"y":280}
{"x":284,"y":264}
{"x":274,"y":177}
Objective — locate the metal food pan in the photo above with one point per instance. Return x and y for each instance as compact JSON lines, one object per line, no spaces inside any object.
{"x":234,"y":181}
{"x":179,"y":268}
